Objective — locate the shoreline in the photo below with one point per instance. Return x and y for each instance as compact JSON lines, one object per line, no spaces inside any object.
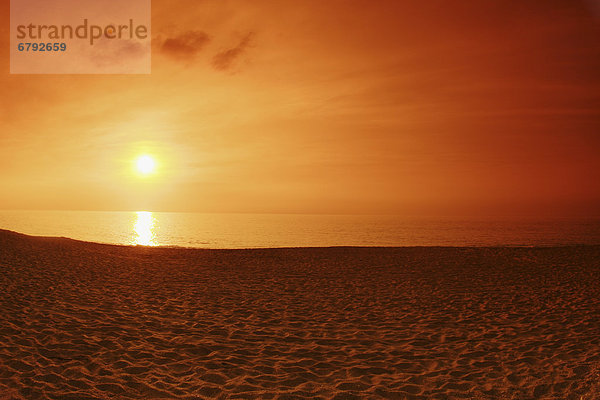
{"x":173,"y":247}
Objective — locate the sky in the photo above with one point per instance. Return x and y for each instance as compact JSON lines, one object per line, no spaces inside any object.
{"x":353,"y":107}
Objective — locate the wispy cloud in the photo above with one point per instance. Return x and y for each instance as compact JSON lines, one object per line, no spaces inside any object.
{"x":225,"y":59}
{"x":186,"y":45}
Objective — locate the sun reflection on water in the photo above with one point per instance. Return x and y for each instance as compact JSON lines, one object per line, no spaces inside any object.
{"x":144,"y":227}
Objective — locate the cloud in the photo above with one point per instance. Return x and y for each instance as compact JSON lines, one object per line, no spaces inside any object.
{"x":108,"y":52}
{"x":225,"y":59}
{"x":186,"y":45}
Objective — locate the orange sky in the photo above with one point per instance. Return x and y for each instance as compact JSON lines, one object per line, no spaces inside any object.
{"x":478,"y":107}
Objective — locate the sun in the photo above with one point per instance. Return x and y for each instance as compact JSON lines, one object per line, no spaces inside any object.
{"x":145,"y":164}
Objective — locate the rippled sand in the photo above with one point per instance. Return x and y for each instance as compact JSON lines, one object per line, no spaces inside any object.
{"x":88,"y":321}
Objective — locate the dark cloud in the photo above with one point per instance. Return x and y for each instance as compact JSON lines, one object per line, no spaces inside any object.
{"x":225,"y":59}
{"x":186,"y":45}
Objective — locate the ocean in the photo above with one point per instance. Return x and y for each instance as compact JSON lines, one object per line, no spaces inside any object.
{"x":287,"y":230}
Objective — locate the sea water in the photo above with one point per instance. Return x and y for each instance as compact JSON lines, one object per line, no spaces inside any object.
{"x":289,"y":230}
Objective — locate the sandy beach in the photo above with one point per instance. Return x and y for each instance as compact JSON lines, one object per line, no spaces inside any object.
{"x":87,"y":321}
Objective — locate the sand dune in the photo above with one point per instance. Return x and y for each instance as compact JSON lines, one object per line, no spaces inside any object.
{"x":87,"y":321}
